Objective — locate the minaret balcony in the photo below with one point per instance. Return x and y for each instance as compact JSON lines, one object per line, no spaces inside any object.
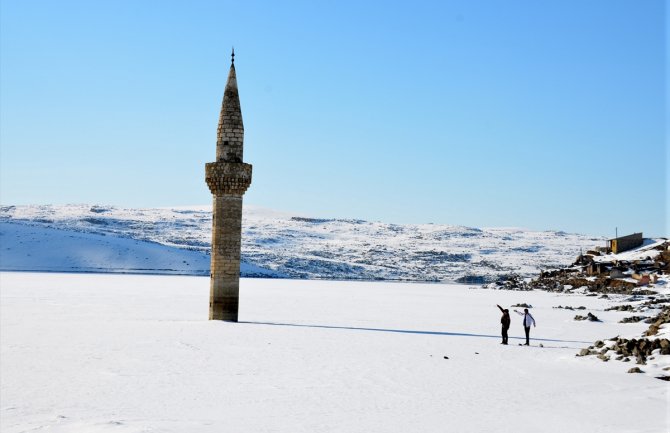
{"x":228,"y":178}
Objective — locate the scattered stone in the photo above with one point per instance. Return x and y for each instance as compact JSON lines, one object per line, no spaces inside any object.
{"x":655,"y":301}
{"x":635,"y":370}
{"x":646,"y":292}
{"x":446,"y":357}
{"x":589,"y":316}
{"x":509,"y":282}
{"x":593,"y":318}
{"x":632,"y":319}
{"x":602,"y":357}
{"x":662,"y":318}
{"x":584,"y":352}
{"x":625,"y":307}
{"x":666,"y":378}
{"x":641,"y":349}
{"x":523,"y":305}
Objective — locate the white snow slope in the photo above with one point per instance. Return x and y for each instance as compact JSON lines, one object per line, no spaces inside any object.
{"x":294,"y":246}
{"x":87,"y":353}
{"x":35,"y":248}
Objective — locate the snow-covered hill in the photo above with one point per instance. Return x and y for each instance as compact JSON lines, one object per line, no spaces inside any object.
{"x":285,"y":245}
{"x":34,"y":248}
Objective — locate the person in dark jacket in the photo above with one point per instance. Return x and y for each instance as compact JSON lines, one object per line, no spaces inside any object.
{"x":505,"y":322}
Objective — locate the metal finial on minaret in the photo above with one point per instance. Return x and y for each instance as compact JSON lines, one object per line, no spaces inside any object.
{"x":232,"y":57}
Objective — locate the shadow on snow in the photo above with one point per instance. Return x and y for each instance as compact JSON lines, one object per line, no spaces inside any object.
{"x":408,"y":331}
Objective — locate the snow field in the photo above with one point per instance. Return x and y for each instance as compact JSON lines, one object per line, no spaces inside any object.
{"x":135,"y":353}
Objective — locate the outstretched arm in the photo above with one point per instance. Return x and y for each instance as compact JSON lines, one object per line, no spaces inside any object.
{"x":518,"y":312}
{"x":501,"y":308}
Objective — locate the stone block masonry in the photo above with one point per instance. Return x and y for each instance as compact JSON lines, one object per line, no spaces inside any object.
{"x":225,"y":178}
{"x":225,"y":266}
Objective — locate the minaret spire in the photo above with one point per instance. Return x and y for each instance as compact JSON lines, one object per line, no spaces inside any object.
{"x":230,"y":133}
{"x":228,"y":179}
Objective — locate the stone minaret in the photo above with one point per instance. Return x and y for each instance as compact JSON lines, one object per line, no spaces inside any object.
{"x":228,"y":178}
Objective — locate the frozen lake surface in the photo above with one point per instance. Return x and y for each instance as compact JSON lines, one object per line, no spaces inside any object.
{"x":136,"y":353}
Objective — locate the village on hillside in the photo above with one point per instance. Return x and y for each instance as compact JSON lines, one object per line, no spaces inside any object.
{"x":626,"y":265}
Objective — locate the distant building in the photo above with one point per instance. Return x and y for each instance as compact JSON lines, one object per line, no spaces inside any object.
{"x":624,"y":243}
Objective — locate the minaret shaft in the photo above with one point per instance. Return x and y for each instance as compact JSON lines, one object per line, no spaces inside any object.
{"x":228,"y":179}
{"x":224,"y":290}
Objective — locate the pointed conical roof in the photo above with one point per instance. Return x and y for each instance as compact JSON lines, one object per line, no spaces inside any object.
{"x":230,"y":133}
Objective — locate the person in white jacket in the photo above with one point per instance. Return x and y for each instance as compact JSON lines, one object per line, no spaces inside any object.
{"x":528,"y":319}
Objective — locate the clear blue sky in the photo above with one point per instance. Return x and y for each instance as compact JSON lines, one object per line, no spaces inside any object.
{"x":538,"y":114}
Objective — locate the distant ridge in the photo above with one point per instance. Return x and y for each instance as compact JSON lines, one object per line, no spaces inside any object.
{"x":97,"y":238}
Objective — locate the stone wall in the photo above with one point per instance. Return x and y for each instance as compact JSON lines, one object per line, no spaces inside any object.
{"x":225,"y":266}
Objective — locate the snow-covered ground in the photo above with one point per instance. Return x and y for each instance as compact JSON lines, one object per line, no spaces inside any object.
{"x":136,"y":353}
{"x":299,"y":247}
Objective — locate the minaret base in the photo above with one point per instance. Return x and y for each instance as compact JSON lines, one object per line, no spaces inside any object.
{"x":224,"y":308}
{"x":224,"y":291}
